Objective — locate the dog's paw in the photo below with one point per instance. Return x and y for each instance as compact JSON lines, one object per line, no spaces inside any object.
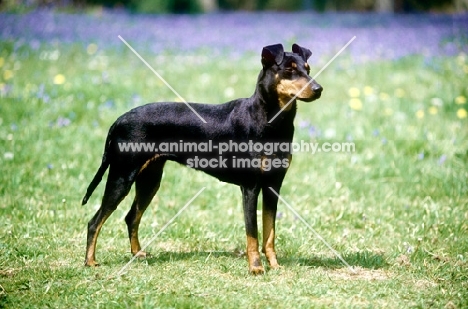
{"x":272,"y":262}
{"x":256,"y":270}
{"x":142,"y":254}
{"x":91,"y":263}
{"x":275,"y":266}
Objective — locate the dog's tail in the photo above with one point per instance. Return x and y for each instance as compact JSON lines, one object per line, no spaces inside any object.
{"x":96,"y":180}
{"x":102,"y":169}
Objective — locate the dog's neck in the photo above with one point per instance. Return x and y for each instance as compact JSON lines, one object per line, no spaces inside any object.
{"x":268,"y":102}
{"x":266,"y":98}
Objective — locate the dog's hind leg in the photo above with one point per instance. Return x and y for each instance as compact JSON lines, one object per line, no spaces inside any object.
{"x":147,"y":184}
{"x":117,"y":187}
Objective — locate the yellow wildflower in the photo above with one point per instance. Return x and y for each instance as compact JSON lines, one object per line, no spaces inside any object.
{"x":384,"y":96}
{"x":460,"y":99}
{"x":433,"y":110}
{"x":399,"y":93}
{"x":388,"y":111}
{"x":354,"y":92}
{"x":7,"y":74}
{"x":368,"y":90}
{"x":420,"y":114}
{"x":59,"y":79}
{"x":462,"y":113}
{"x":355,"y":104}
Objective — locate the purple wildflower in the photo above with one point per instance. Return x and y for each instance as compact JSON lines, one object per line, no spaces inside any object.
{"x":6,"y":89}
{"x":136,"y":100}
{"x":303,"y":124}
{"x":35,"y":44}
{"x":314,"y":131}
{"x":380,"y":37}
{"x":63,"y":122}
{"x":40,"y":91}
{"x":442,"y":159}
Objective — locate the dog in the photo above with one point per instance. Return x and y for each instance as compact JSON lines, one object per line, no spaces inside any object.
{"x":265,"y":118}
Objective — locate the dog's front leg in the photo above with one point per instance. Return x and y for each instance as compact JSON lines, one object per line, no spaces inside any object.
{"x":270,"y":203}
{"x":249,"y":199}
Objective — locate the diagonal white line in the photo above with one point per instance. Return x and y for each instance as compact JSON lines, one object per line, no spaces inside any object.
{"x":161,"y":230}
{"x":162,"y":79}
{"x":313,"y":231}
{"x":313,"y":78}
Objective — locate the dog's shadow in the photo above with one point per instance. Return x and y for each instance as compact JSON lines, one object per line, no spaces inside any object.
{"x":171,"y":256}
{"x":363,"y":259}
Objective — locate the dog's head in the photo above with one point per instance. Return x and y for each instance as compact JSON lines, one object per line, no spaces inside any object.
{"x":291,"y":73}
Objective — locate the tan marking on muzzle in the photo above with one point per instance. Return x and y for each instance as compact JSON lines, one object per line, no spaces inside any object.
{"x":287,"y":89}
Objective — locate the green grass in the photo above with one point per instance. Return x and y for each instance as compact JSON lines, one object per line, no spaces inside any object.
{"x":396,"y":209}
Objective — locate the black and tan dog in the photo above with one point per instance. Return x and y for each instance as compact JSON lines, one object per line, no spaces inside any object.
{"x":283,"y":79}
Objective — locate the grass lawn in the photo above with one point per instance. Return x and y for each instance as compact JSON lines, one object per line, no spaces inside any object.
{"x":396,"y":209}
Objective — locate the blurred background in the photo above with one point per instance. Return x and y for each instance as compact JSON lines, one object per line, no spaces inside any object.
{"x":204,"y":6}
{"x":396,"y":208}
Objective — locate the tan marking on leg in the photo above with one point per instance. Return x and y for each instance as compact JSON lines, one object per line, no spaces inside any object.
{"x":134,"y":242}
{"x":269,"y":239}
{"x":91,"y":249}
{"x":152,"y":171}
{"x":264,"y":165}
{"x":253,"y":256}
{"x":289,"y":160}
{"x":148,"y":162}
{"x":135,"y":246}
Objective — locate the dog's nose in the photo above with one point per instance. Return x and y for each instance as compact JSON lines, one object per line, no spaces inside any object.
{"x":317,"y":88}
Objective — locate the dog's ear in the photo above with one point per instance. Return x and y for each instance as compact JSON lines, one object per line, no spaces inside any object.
{"x":301,"y":51}
{"x":272,"y":54}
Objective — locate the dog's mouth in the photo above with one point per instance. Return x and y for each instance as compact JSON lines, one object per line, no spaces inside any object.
{"x":309,"y":95}
{"x":312,"y":92}
{"x":302,"y":89}
{"x":313,"y":97}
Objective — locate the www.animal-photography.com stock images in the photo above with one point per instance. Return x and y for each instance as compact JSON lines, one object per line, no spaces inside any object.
{"x":233,"y":154}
